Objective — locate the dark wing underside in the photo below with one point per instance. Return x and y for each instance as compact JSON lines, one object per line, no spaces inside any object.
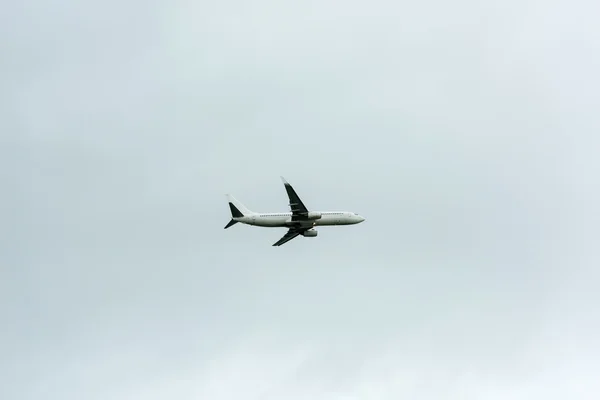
{"x":299,"y":213}
{"x":299,"y":210}
{"x":292,"y":233}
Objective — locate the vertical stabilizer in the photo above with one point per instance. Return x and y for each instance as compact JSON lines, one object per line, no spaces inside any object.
{"x":238,"y":210}
{"x":235,"y":204}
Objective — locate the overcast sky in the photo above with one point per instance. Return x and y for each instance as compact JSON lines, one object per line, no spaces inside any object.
{"x":465,"y":132}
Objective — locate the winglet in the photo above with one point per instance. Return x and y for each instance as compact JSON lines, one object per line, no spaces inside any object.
{"x":284,"y":181}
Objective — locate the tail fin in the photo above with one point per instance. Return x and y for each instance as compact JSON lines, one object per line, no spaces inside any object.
{"x":238,"y":210}
{"x":238,"y":204}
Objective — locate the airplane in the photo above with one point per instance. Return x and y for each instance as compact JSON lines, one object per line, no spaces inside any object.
{"x":300,"y":221}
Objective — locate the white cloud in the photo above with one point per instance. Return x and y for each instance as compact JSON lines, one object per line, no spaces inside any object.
{"x":465,"y":132}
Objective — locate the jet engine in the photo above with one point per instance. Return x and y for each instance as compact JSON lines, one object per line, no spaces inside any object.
{"x":314,"y":215}
{"x":310,"y":233}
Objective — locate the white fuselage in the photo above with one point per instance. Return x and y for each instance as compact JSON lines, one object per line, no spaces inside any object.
{"x":321,"y":218}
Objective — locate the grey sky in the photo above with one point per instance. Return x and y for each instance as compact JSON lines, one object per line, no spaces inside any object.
{"x":465,"y":132}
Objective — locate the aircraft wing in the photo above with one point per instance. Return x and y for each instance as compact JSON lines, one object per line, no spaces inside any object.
{"x":299,"y":210}
{"x":291,"y":233}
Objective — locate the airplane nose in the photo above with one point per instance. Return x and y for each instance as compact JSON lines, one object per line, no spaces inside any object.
{"x":361,"y":219}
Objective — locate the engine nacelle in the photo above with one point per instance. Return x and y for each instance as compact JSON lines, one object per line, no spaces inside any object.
{"x":310,"y":233}
{"x":314,"y":215}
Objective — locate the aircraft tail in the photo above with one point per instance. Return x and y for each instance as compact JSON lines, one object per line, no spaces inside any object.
{"x":230,"y":223}
{"x":238,"y":210}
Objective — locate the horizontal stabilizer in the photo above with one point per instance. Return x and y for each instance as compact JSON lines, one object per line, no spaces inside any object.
{"x":231,"y":223}
{"x":235,"y":213}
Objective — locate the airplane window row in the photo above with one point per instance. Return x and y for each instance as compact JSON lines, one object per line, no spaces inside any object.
{"x":287,"y":215}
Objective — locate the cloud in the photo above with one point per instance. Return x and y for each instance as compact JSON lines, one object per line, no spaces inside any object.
{"x":466,"y":133}
{"x":267,"y":367}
